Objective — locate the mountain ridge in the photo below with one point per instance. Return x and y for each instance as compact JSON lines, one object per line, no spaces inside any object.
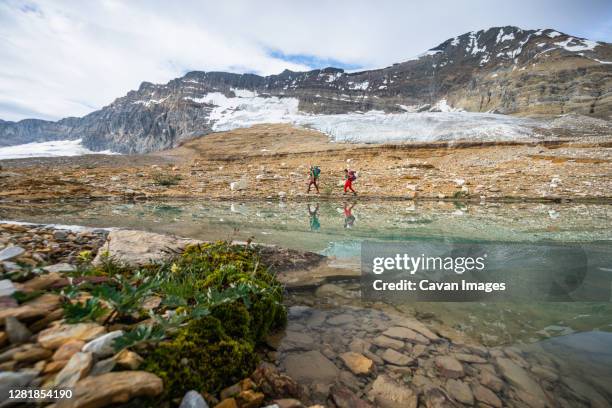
{"x":501,"y":69}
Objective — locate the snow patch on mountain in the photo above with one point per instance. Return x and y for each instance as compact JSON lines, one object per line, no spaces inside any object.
{"x":575,"y":44}
{"x":473,"y":47}
{"x":359,"y":86}
{"x":47,"y":149}
{"x":150,"y":102}
{"x":501,"y":37}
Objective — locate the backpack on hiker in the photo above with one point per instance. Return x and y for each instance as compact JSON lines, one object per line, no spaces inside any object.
{"x":352,"y":175}
{"x":316,"y":171}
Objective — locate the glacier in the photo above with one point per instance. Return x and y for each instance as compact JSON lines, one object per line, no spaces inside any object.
{"x":47,"y":149}
{"x":447,"y":124}
{"x":380,"y":127}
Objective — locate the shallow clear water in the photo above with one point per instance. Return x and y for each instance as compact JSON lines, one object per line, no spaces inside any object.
{"x":334,"y":228}
{"x":337,"y":229}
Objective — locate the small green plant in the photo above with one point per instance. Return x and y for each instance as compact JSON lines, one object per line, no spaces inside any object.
{"x":128,"y":299}
{"x":91,"y":310}
{"x":107,"y":266}
{"x":141,"y":334}
{"x":85,"y":257}
{"x":459,"y":194}
{"x":166,"y":180}
{"x":22,"y":297}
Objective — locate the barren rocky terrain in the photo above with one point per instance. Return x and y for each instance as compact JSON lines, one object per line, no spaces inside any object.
{"x":272,"y":162}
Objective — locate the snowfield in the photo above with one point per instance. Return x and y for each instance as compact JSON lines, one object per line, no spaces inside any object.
{"x":47,"y":149}
{"x":447,"y":123}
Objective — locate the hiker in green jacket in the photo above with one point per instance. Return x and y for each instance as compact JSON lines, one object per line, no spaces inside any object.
{"x":315,"y":225}
{"x":314,"y":174}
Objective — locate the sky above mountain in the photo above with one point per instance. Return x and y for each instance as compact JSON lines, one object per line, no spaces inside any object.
{"x":68,"y":58}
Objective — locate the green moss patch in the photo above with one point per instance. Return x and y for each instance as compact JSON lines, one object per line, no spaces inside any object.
{"x":237,"y":302}
{"x":215,"y":303}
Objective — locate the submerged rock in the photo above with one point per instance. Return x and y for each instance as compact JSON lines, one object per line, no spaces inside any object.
{"x":358,"y":363}
{"x":469,"y":358}
{"x":417,"y":327}
{"x":434,"y":397}
{"x":295,"y":340}
{"x":486,"y":396}
{"x":296,"y":312}
{"x":387,"y":393}
{"x":460,"y":391}
{"x":387,"y":342}
{"x":518,"y":377}
{"x":341,"y":319}
{"x":310,"y":366}
{"x":345,"y":398}
{"x":491,"y":381}
{"x":393,"y":357}
{"x":404,"y":333}
{"x":449,"y":367}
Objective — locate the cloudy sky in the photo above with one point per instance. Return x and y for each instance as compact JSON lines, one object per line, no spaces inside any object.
{"x":68,"y":58}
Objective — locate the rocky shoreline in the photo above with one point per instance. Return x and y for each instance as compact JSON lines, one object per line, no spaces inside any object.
{"x":328,"y":354}
{"x":271,"y":162}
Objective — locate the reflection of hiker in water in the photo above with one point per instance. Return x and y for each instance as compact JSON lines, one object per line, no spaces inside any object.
{"x":349,"y":218}
{"x":349,"y":177}
{"x":314,"y":218}
{"x":314,"y":173}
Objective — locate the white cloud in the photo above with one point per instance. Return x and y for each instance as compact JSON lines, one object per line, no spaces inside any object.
{"x":67,"y":58}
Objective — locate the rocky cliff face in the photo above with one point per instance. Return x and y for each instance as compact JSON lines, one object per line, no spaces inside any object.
{"x":35,"y":130}
{"x":503,"y":69}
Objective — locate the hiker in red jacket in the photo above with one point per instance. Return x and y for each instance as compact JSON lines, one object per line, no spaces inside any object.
{"x":349,"y":218}
{"x":349,"y":177}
